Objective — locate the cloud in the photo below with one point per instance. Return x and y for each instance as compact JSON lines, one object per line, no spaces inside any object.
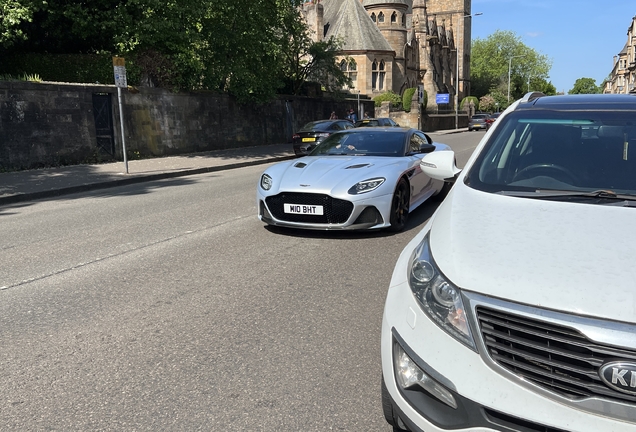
{"x":534,"y":34}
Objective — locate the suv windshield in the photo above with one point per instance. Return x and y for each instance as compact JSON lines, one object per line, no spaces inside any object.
{"x":575,"y":151}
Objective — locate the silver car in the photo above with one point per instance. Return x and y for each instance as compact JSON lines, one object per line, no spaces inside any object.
{"x":479,"y":122}
{"x":362,"y":178}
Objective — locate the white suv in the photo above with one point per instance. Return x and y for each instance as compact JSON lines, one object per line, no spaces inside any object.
{"x":514,"y":309}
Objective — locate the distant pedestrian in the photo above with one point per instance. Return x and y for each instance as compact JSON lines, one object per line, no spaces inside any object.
{"x":333,"y":116}
{"x":366,"y":115}
{"x":352,"y":116}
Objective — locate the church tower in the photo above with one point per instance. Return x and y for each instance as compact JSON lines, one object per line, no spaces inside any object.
{"x":457,"y":12}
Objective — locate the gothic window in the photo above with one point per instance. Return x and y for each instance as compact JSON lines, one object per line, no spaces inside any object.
{"x":381,"y":17}
{"x":343,"y":65}
{"x":393,"y":18}
{"x":374,"y":75}
{"x":404,"y":19}
{"x":350,"y":69}
{"x":373,"y":17}
{"x":381,"y":76}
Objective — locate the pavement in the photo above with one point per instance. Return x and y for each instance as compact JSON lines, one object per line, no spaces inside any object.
{"x":52,"y":182}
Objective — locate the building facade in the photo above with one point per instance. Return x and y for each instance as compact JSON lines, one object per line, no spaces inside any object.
{"x":622,"y":79}
{"x":392,"y":45}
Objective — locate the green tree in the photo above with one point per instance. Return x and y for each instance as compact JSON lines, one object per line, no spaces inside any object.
{"x":493,"y":57}
{"x":585,"y":86}
{"x":13,"y":15}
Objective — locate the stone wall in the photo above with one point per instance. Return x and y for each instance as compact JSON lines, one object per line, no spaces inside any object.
{"x":51,"y":124}
{"x":427,"y":123}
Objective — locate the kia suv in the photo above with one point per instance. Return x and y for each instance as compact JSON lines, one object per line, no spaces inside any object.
{"x":514,"y":308}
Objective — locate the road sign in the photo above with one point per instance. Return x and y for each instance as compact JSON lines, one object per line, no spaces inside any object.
{"x":442,"y":98}
{"x":119,"y":67}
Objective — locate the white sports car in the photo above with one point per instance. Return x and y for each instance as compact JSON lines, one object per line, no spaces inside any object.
{"x":363,"y":178}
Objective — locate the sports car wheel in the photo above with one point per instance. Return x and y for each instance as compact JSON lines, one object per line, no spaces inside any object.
{"x":400,"y":206}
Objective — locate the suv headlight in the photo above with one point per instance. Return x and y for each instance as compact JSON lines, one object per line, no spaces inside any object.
{"x":437,"y":296}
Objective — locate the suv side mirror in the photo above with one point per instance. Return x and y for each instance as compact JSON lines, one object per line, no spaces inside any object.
{"x":440,"y":165}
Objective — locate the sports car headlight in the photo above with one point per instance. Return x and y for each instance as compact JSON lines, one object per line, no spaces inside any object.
{"x":438,"y":298}
{"x":266,"y":182}
{"x":366,"y":186}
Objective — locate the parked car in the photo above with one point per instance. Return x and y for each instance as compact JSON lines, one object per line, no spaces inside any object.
{"x":478,"y":122}
{"x":513,"y":308}
{"x":380,"y":121}
{"x":362,"y":178}
{"x":492,"y":118}
{"x":312,"y":133}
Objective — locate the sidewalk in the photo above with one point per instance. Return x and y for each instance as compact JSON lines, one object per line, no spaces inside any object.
{"x":50,"y":182}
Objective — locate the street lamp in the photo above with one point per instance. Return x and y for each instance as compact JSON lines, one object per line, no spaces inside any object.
{"x":509,"y":68}
{"x":457,"y":65}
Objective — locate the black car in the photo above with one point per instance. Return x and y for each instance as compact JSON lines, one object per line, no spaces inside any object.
{"x":381,"y":121}
{"x":314,"y":132}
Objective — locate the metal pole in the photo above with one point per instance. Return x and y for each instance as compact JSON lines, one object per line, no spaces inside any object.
{"x":457,"y":82}
{"x":509,"y":66}
{"x":121,"y":123}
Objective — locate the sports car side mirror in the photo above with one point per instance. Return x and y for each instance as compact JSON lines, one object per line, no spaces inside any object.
{"x":427,"y":148}
{"x":440,"y":165}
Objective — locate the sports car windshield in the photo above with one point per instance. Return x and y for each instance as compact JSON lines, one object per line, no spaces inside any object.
{"x":381,"y":143}
{"x":565,"y":151}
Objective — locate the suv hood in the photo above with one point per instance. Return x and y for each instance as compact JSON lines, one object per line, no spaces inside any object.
{"x":570,"y":257}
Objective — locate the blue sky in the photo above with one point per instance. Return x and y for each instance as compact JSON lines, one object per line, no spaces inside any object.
{"x":581,"y":37}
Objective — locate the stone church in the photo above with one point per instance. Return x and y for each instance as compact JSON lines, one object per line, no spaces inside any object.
{"x":399,"y":44}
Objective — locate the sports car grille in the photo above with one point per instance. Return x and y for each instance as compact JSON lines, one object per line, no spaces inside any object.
{"x":336,"y":211}
{"x":557,"y":358}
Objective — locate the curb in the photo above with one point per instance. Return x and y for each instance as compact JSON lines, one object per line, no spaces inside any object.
{"x":28,"y":196}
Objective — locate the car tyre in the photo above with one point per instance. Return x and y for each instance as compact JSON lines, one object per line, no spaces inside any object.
{"x":387,"y":409}
{"x":400,"y":206}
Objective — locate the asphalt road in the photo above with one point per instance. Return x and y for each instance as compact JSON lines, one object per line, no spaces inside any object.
{"x":169,"y":306}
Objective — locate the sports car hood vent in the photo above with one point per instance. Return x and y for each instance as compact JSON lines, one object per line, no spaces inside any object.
{"x":357,"y":166}
{"x":300,"y":165}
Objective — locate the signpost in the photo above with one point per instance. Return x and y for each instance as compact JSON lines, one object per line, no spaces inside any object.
{"x":119,"y":67}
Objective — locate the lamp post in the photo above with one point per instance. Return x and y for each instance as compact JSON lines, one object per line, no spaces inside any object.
{"x":457,"y":66}
{"x":509,"y":69}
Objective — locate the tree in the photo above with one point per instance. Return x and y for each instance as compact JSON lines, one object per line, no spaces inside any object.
{"x":492,"y":57}
{"x":585,"y":86}
{"x":12,"y":15}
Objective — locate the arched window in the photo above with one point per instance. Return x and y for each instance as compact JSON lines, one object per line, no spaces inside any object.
{"x":404,"y":19}
{"x":393,"y":18}
{"x":373,"y":17}
{"x":381,"y":17}
{"x":350,"y":68}
{"x":374,"y":75}
{"x":381,"y":76}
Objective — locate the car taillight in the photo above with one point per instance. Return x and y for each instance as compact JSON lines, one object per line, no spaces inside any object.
{"x":294,"y":136}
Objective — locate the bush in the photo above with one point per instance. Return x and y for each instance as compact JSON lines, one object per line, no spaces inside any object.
{"x":407,"y":97}
{"x":395,"y":99}
{"x":75,"y":68}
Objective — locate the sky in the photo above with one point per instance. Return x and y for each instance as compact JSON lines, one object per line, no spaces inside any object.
{"x":580,"y":37}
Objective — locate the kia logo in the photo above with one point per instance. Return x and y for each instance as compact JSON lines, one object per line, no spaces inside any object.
{"x":619,"y":375}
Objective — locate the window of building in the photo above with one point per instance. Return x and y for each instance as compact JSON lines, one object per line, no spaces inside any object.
{"x":343,"y":65}
{"x":381,"y":76}
{"x":404,"y":19}
{"x":374,"y":75}
{"x":381,"y":17}
{"x":393,"y":18}
{"x":373,"y":17}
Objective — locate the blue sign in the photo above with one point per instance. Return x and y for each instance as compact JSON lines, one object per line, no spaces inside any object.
{"x":442,"y":98}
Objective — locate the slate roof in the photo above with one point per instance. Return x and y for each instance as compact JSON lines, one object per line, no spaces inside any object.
{"x":348,"y":20}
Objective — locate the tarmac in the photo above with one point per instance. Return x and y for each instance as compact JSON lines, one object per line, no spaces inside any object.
{"x":19,"y":186}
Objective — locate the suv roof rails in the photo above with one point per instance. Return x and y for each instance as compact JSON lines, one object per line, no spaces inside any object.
{"x":529,"y":97}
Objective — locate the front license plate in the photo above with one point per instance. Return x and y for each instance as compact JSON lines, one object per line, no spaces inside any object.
{"x":309,"y":139}
{"x":303,"y":209}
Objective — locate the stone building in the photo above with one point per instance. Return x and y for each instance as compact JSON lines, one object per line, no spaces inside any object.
{"x":622,"y":79}
{"x":399,"y":44}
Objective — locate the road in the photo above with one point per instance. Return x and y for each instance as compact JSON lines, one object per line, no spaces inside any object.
{"x":169,"y":306}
